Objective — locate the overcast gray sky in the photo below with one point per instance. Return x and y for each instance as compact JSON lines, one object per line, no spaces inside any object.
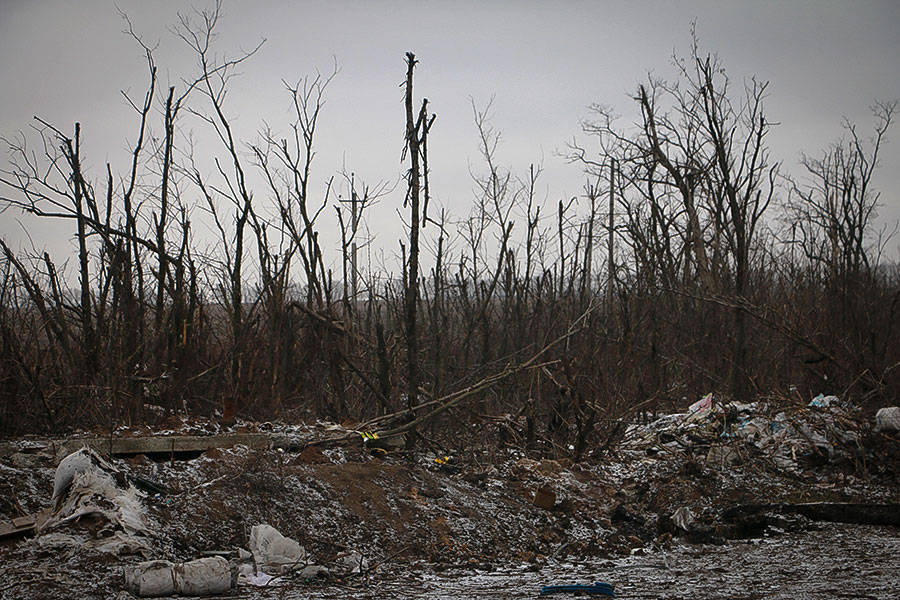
{"x":544,"y":62}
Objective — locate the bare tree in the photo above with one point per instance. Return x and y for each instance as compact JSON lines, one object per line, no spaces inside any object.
{"x":198,"y":35}
{"x":696,"y":170}
{"x":832,"y":211}
{"x":418,"y":125}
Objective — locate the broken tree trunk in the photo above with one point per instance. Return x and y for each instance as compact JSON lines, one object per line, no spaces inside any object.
{"x":834,"y":512}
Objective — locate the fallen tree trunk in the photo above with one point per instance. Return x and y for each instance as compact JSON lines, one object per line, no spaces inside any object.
{"x":833,"y":512}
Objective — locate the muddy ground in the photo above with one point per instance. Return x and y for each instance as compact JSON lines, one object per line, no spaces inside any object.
{"x":468,"y":527}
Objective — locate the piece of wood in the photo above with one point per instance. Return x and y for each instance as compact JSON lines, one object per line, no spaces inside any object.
{"x":117,"y":446}
{"x":18,"y":526}
{"x":25,"y":521}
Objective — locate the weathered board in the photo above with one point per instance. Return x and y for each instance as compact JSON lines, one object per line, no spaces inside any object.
{"x":117,"y":446}
{"x":18,"y":526}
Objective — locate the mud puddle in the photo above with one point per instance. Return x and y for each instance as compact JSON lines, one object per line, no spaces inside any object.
{"x":835,"y":561}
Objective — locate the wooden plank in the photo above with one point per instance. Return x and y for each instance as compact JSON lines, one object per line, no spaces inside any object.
{"x":18,"y":526}
{"x":25,"y":521}
{"x":166,"y":444}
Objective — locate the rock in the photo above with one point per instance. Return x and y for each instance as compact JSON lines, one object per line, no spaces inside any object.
{"x":21,"y":460}
{"x":545,"y":498}
{"x":313,"y":571}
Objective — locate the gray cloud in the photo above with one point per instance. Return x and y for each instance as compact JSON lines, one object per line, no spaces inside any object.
{"x":544,"y":62}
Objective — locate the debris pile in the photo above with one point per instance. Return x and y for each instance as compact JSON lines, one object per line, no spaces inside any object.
{"x":196,"y":510}
{"x":788,"y":437}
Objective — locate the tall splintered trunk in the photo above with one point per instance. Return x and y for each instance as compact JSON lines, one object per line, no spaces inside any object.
{"x":417,"y":127}
{"x":73,"y":154}
{"x":412,"y":280}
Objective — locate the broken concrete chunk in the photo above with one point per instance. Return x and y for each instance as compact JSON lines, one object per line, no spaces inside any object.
{"x":274,"y":553}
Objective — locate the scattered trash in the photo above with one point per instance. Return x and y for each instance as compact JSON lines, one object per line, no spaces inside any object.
{"x":683,"y":518}
{"x":77,"y":462}
{"x":630,"y":502}
{"x":722,"y":455}
{"x":702,"y":406}
{"x":274,"y":553}
{"x":599,"y":588}
{"x":821,"y":401}
{"x":259,"y":579}
{"x":824,"y":430}
{"x":355,"y":562}
{"x":202,"y":577}
{"x":888,"y":419}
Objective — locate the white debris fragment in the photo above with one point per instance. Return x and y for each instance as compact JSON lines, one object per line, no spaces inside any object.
{"x":80,"y":461}
{"x":355,"y":562}
{"x":88,"y":489}
{"x":258,"y":579}
{"x":683,"y":518}
{"x":888,"y":419}
{"x":274,"y":553}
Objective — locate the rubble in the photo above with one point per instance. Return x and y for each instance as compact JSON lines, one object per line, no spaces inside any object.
{"x":354,"y":517}
{"x":825,"y":430}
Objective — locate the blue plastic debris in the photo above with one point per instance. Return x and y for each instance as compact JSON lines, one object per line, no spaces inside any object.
{"x":599,"y":588}
{"x":822,"y":401}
